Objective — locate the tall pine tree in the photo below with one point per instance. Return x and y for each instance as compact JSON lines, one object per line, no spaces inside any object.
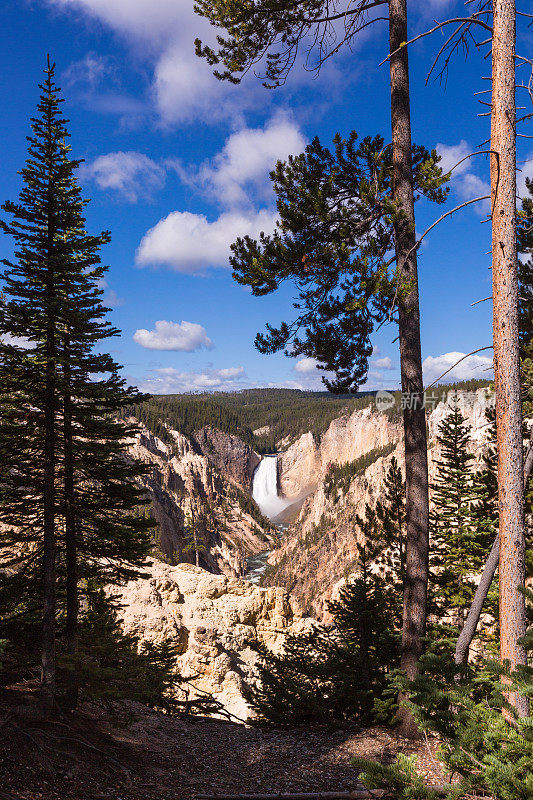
{"x":390,"y":512}
{"x":459,"y":542}
{"x":69,"y":492}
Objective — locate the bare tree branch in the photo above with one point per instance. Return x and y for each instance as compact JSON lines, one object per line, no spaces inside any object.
{"x":479,"y":350}
{"x":447,"y":214}
{"x":464,"y":20}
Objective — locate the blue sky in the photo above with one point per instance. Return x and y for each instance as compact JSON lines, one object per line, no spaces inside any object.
{"x":176,"y":166}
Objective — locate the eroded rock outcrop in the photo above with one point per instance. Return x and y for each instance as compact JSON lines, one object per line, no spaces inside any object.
{"x":211,"y":618}
{"x":229,"y":454}
{"x":304,"y":464}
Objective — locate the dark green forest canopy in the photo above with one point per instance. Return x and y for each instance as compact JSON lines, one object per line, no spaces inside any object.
{"x":287,"y":413}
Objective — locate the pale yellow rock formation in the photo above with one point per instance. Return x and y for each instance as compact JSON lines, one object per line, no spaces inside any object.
{"x":181,"y":485}
{"x":211,"y":618}
{"x":315,"y":563}
{"x":304,"y":464}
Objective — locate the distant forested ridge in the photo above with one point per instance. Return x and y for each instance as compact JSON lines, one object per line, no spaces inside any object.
{"x":280,"y":415}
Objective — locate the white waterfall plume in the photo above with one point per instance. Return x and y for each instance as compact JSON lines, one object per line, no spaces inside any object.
{"x":265,"y":488}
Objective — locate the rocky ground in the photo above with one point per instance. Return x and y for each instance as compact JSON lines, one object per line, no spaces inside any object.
{"x":142,"y":754}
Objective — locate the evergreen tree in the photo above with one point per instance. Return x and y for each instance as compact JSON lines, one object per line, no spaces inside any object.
{"x":489,"y":754}
{"x":459,"y":542}
{"x":333,"y":241}
{"x":69,"y":494}
{"x":194,"y":538}
{"x":336,"y":672}
{"x":382,"y":531}
{"x":525,"y":308}
{"x":275,"y":31}
{"x":485,"y":480}
{"x":390,"y":513}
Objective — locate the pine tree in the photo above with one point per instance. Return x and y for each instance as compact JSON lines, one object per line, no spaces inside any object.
{"x":69,"y":492}
{"x":275,"y":31}
{"x":336,"y":672}
{"x":459,"y":542}
{"x":525,"y":308}
{"x":194,"y":539}
{"x":390,"y":513}
{"x":485,"y":481}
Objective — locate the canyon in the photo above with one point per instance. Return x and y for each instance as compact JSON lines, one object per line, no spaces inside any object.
{"x":298,"y":541}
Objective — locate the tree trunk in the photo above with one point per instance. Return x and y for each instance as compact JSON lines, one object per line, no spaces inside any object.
{"x":506,"y":341}
{"x":470,"y":626}
{"x":414,"y":417}
{"x":71,"y":698}
{"x":49,"y":543}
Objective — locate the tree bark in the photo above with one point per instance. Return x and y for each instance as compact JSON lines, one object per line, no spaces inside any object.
{"x":414,"y":417}
{"x":506,"y":341}
{"x":49,"y":501}
{"x":71,"y":545}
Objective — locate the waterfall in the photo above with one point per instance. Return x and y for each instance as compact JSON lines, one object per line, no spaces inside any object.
{"x":265,"y":488}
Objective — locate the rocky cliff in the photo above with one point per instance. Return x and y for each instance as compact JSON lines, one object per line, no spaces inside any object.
{"x":211,"y":619}
{"x":185,"y":489}
{"x":304,"y":464}
{"x":320,"y":549}
{"x":229,"y":455}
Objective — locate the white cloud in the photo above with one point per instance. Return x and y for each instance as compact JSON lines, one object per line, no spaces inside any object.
{"x":110,"y":298}
{"x":184,"y":86}
{"x":306,"y":366}
{"x":465,"y":183}
{"x":132,"y":175}
{"x":229,"y":373}
{"x":451,"y":154}
{"x":185,"y":337}
{"x":168,"y":380}
{"x":470,"y":186}
{"x":16,"y":341}
{"x":246,"y":160}
{"x":475,"y":366}
{"x":89,"y":71}
{"x":384,"y":363}
{"x":189,"y":243}
{"x":144,"y":19}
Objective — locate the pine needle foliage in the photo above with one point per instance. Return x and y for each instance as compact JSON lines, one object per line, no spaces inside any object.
{"x":490,"y":755}
{"x":390,"y":515}
{"x":332,"y":673}
{"x":333,"y":243}
{"x":112,"y":665}
{"x":69,"y":496}
{"x":339,"y":476}
{"x":460,"y":539}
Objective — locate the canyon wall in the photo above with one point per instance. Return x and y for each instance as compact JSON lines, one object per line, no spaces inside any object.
{"x":229,"y":455}
{"x":185,"y":488}
{"x":304,"y":464}
{"x":211,"y":617}
{"x":319,"y":550}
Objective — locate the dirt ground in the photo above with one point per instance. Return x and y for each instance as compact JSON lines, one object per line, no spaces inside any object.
{"x":140,"y":754}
